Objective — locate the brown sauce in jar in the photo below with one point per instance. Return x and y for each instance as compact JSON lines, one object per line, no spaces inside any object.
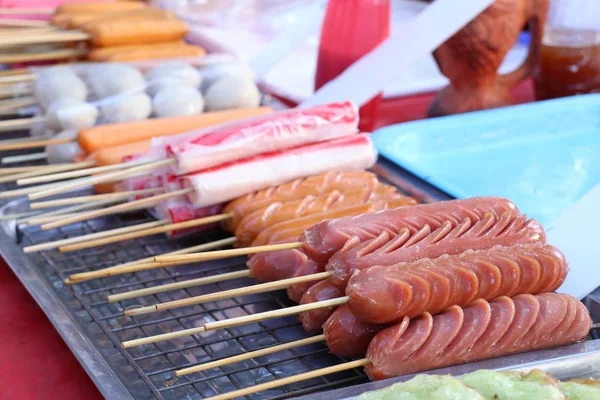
{"x":569,"y":64}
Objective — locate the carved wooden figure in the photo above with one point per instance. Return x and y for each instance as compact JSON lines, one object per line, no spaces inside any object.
{"x":471,"y":58}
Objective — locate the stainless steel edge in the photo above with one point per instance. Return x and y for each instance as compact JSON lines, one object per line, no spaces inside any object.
{"x":581,"y":360}
{"x":92,"y":361}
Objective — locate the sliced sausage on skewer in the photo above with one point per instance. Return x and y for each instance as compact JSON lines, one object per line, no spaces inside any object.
{"x":477,"y":332}
{"x":507,"y":230}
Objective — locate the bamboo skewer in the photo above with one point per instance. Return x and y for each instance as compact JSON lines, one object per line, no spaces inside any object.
{"x":147,"y":202}
{"x":34,"y":144}
{"x":51,"y":218}
{"x":98,"y":235}
{"x":22,"y":140}
{"x":29,"y":168}
{"x":24,"y":158}
{"x":291,"y":379}
{"x":85,"y":199}
{"x":27,"y":11}
{"x":50,"y":37}
{"x":264,"y":316}
{"x":177,"y":285}
{"x":27,"y":31}
{"x":17,"y":78}
{"x":89,"y":181}
{"x":23,"y":23}
{"x":216,"y":255}
{"x":227,"y":294}
{"x":200,"y":247}
{"x":149,"y":232}
{"x":138,"y":265}
{"x":73,"y":174}
{"x":229,"y":323}
{"x":17,"y":170}
{"x":13,"y":104}
{"x":15,"y":71}
{"x":58,"y":54}
{"x":18,"y":215}
{"x":250,"y":355}
{"x":61,"y":186}
{"x":213,"y":279}
{"x":41,"y":218}
{"x":48,"y":170}
{"x":7,"y":194}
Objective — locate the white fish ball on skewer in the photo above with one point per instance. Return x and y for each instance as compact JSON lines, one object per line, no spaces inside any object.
{"x":172,"y":73}
{"x":57,"y":83}
{"x":114,"y":79}
{"x":69,"y":113}
{"x":64,"y":153}
{"x":126,"y":108}
{"x":232,"y":92}
{"x":212,"y":73}
{"x":176,"y":101}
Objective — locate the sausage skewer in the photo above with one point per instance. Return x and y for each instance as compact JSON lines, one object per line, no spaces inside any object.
{"x":343,"y":333}
{"x":324,"y":239}
{"x":308,"y":220}
{"x":298,"y":189}
{"x":509,"y":265}
{"x":427,"y":214}
{"x":477,"y":332}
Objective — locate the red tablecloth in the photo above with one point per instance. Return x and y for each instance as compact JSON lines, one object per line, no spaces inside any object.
{"x":34,"y":361}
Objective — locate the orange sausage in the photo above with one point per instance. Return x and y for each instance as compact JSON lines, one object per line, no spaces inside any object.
{"x":99,"y":7}
{"x":292,"y":229}
{"x":252,"y":225}
{"x":103,"y":136}
{"x":297,"y":189}
{"x":146,"y":52}
{"x":131,"y":29}
{"x":115,"y":155}
{"x":79,"y":20}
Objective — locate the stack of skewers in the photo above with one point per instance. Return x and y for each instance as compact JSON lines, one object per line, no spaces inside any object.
{"x":103,"y":31}
{"x":178,"y":95}
{"x":400,"y":287}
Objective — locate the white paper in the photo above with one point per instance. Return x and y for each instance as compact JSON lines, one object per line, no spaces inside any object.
{"x":419,"y":37}
{"x":577,"y":235}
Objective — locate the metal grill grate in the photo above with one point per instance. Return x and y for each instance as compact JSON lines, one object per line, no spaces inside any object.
{"x":148,"y":371}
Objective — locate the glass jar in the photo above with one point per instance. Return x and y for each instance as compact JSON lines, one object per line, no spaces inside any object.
{"x":569,"y":61}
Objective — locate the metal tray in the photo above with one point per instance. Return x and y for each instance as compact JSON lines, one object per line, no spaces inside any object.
{"x":94,"y":329}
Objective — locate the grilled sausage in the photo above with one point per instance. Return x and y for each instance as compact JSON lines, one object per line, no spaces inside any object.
{"x":383,"y":295}
{"x":480,"y":331}
{"x":297,"y":189}
{"x":312,"y":321}
{"x":282,"y":211}
{"x":276,"y":265}
{"x":489,"y":231}
{"x":304,"y":268}
{"x":326,"y":238}
{"x":293,"y":229}
{"x":346,"y":336}
{"x":270,"y":266}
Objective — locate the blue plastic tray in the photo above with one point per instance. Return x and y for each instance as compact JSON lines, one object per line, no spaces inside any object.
{"x":544,"y":156}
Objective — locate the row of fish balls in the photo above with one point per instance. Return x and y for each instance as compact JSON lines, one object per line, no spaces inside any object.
{"x":113,"y":93}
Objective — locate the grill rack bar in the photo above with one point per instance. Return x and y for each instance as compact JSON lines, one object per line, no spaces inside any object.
{"x":86,"y":294}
